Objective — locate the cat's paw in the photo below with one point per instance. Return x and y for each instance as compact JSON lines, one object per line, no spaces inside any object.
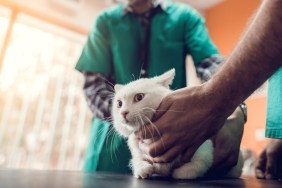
{"x":143,"y":171}
{"x":185,"y":173}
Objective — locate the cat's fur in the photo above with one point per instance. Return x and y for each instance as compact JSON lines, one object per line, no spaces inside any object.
{"x":140,"y":113}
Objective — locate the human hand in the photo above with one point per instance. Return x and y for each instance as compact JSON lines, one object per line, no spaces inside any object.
{"x":269,"y":165}
{"x":227,"y":143}
{"x":184,"y":120}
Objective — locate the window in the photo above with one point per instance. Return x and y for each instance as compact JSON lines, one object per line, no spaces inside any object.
{"x":44,"y":121}
{"x":4,"y":22}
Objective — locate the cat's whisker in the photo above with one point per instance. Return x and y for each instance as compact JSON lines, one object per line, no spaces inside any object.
{"x":137,"y":122}
{"x":112,"y":150}
{"x":141,"y":125}
{"x":109,"y":119}
{"x":133,"y":77}
{"x":141,"y":71}
{"x":100,"y":132}
{"x":149,"y":130}
{"x":108,"y":82}
{"x":147,"y":108}
{"x":137,"y":119}
{"x":107,"y":95}
{"x":153,"y":110}
{"x":108,"y":135}
{"x":112,"y":89}
{"x":115,"y":138}
{"x":155,"y":127}
{"x":169,"y":110}
{"x":113,"y":147}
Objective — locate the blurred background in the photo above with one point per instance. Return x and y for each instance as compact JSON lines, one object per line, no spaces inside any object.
{"x":44,"y":120}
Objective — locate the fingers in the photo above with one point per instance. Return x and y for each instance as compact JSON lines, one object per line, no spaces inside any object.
{"x":271,"y":165}
{"x":186,"y":157}
{"x":154,"y":129}
{"x":163,"y":108}
{"x":158,"y":147}
{"x":149,"y":132}
{"x":226,"y":163}
{"x":169,"y":156}
{"x":260,"y":166}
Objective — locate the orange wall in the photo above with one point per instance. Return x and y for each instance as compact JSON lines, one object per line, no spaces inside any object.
{"x":225,"y":23}
{"x":227,"y":20}
{"x":253,"y":137}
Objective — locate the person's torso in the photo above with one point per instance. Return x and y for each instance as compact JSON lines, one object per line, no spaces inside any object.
{"x":274,"y":101}
{"x":166,"y":48}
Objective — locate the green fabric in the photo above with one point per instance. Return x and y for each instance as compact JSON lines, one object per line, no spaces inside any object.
{"x":113,"y":49}
{"x":107,"y":144}
{"x":274,"y":106}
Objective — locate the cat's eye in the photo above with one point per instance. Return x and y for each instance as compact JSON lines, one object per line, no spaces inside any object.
{"x":138,"y":97}
{"x":119,"y":103}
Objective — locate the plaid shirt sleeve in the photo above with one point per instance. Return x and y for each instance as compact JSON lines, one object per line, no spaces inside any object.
{"x":208,"y":67}
{"x":98,"y":92}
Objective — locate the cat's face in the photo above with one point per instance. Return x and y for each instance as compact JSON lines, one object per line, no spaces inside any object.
{"x":134,"y":104}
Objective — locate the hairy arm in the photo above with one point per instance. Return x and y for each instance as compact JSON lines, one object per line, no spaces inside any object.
{"x":203,"y":110}
{"x":227,"y":141}
{"x":256,"y":57}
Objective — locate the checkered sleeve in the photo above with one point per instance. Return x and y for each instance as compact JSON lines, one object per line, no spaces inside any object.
{"x":98,"y":92}
{"x":208,"y":67}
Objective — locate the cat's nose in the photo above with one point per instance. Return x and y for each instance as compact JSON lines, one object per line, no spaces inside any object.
{"x":124,"y":114}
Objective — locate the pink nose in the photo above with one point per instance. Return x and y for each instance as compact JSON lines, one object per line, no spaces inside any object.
{"x":124,"y":114}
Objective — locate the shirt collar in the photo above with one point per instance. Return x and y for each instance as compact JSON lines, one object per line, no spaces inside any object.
{"x":162,"y":3}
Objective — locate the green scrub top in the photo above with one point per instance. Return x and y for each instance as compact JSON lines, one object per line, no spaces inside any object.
{"x":113,"y":49}
{"x":274,"y":106}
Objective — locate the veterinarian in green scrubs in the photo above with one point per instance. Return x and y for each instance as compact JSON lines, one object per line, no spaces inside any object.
{"x":115,"y":51}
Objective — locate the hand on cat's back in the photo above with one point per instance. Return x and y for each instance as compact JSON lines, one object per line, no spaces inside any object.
{"x":182,"y":123}
{"x":227,"y":143}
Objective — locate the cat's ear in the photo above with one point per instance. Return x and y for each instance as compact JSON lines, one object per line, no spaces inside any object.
{"x":118,"y":87}
{"x":166,"y":78}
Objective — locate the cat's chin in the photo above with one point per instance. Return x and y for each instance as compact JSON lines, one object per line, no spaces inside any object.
{"x":125,"y":131}
{"x":129,"y":126}
{"x":132,"y":125}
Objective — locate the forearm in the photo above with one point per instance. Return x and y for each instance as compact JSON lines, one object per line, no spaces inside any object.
{"x":256,"y":57}
{"x":98,"y":94}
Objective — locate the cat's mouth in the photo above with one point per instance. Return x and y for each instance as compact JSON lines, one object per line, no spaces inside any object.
{"x":125,"y":120}
{"x":131,"y":123}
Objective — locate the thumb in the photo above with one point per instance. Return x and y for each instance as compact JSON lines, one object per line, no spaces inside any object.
{"x":271,"y":165}
{"x":186,"y":157}
{"x":260,"y":166}
{"x":163,"y":108}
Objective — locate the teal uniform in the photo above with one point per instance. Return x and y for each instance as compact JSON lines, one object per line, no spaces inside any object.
{"x":274,"y":106}
{"x":113,"y":49}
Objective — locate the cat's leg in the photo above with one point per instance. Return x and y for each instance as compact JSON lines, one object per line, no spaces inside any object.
{"x":199,"y":164}
{"x":236,"y":171}
{"x":141,"y":168}
{"x":163,"y":169}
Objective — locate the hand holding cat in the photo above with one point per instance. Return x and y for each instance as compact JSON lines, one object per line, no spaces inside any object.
{"x":269,"y":164}
{"x":227,"y":143}
{"x":183,"y":121}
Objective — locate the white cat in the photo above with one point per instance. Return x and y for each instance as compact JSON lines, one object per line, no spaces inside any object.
{"x":133,"y":107}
